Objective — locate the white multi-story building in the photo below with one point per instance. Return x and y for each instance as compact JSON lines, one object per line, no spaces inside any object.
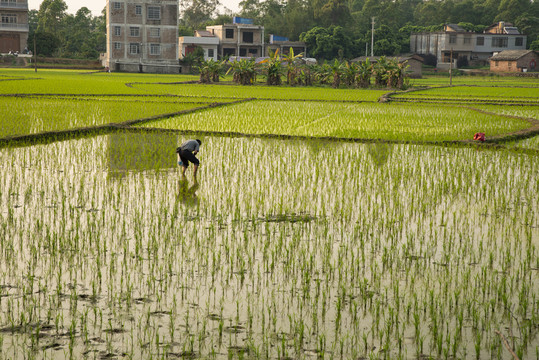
{"x":142,"y":36}
{"x":13,"y":25}
{"x":475,"y":47}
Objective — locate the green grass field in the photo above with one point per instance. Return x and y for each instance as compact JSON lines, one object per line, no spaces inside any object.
{"x":405,"y":122}
{"x":55,"y":100}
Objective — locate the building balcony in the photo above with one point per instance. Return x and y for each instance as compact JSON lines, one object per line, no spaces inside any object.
{"x":11,"y":5}
{"x":14,"y":27}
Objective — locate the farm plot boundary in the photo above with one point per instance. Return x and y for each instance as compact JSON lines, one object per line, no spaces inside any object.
{"x":47,"y":136}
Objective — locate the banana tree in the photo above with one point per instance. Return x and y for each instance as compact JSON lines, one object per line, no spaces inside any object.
{"x":349,"y":73}
{"x":380,"y":69}
{"x":291,"y":68}
{"x":210,"y":71}
{"x":243,"y":71}
{"x":364,"y":73}
{"x":273,"y":68}
{"x":336,"y":72}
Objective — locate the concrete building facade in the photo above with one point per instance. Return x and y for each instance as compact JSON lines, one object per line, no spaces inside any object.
{"x":244,"y":40}
{"x":13,"y":26}
{"x":142,"y":36}
{"x":477,"y":48}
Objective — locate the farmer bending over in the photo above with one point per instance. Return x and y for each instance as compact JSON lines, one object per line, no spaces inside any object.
{"x":186,"y":153}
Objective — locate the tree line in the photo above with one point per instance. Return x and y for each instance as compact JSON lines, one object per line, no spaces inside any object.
{"x":341,"y":29}
{"x":60,"y":34}
{"x":332,"y":29}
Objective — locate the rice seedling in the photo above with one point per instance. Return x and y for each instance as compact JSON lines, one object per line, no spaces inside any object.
{"x":368,"y":121}
{"x":287,"y":248}
{"x":477,"y":93}
{"x":28,"y":115}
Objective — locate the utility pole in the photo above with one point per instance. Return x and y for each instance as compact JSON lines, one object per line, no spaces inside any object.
{"x":372,"y":37}
{"x":451,"y":68}
{"x":35,"y":53}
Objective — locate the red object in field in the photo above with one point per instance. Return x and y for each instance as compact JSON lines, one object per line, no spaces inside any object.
{"x":479,"y":136}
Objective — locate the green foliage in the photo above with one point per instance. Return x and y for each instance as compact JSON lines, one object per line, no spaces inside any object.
{"x":326,"y":43}
{"x":243,"y":71}
{"x":80,"y":36}
{"x":273,"y":68}
{"x":196,"y":12}
{"x":210,"y":71}
{"x":46,"y":43}
{"x":184,"y":30}
{"x":194,"y":58}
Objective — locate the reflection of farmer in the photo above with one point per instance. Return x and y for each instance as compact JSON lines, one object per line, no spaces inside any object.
{"x":187,"y":195}
{"x":186,"y":153}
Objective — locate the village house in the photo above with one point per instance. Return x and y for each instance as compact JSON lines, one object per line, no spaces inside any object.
{"x":241,"y":39}
{"x":454,"y":42}
{"x":515,"y":61}
{"x":283,"y":45}
{"x":142,"y":36}
{"x":13,"y":26}
{"x":205,"y":40}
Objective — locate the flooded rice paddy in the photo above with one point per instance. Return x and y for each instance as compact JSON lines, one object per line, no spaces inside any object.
{"x":284,"y":249}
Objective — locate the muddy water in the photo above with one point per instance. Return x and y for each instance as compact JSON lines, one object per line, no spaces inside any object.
{"x":299,"y":249}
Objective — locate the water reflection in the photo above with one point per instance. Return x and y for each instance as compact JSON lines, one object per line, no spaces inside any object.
{"x":380,"y":152}
{"x":187,"y":194}
{"x":140,"y":151}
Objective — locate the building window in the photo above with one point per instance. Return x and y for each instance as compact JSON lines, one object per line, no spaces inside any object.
{"x":117,"y":31}
{"x":229,"y":34}
{"x":248,"y":37}
{"x":211,"y":53}
{"x":467,"y":39}
{"x":134,"y":48}
{"x":229,"y":52}
{"x":134,"y":31}
{"x":480,"y":41}
{"x":518,"y":41}
{"x":453,"y":38}
{"x":253,"y":52}
{"x":243,"y":52}
{"x":117,"y":5}
{"x":9,"y":18}
{"x":117,"y":45}
{"x":155,"y":49}
{"x":154,"y":13}
{"x":155,"y":32}
{"x":496,"y":63}
{"x":500,"y":42}
{"x":138,"y":10}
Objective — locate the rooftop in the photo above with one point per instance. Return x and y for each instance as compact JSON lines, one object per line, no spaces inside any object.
{"x":508,"y":55}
